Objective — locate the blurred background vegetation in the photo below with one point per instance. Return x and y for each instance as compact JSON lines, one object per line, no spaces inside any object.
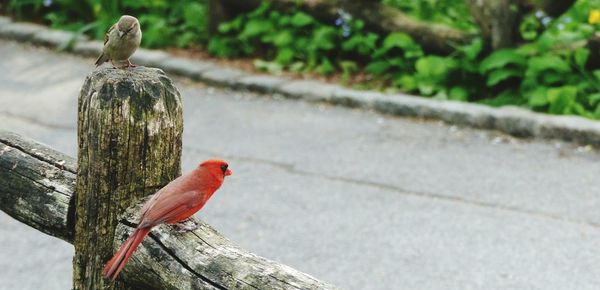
{"x":540,"y":54}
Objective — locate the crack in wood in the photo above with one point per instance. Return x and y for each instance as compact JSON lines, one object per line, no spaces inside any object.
{"x":58,"y":164}
{"x":111,"y":177}
{"x":185,"y":265}
{"x":266,"y":274}
{"x":284,"y":282}
{"x":51,"y":188}
{"x":200,"y":238}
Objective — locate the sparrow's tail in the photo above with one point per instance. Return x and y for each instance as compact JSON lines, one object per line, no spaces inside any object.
{"x":116,"y":264}
{"x":101,"y":59}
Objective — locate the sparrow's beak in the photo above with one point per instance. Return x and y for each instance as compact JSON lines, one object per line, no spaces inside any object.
{"x":121,"y":33}
{"x":228,"y":172}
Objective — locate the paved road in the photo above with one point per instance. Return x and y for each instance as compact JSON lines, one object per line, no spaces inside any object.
{"x":358,"y":199}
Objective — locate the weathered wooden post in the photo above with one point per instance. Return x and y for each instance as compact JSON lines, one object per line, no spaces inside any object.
{"x":129,"y":127}
{"x":37,"y":187}
{"x":129,"y":133}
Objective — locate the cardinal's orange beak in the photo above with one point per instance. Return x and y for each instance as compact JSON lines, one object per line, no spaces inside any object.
{"x":228,"y":172}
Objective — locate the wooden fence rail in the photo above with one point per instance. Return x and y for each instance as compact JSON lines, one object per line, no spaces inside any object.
{"x":128,"y":120}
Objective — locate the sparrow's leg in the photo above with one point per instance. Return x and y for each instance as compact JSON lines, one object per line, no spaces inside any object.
{"x":129,"y":64}
{"x":115,"y":64}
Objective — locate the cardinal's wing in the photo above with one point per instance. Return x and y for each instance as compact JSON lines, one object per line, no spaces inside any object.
{"x":151,"y":202}
{"x":168,"y":208}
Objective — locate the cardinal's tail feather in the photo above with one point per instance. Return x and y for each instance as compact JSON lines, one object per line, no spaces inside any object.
{"x":114,"y":266}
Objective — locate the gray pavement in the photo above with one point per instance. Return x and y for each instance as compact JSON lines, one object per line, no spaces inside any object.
{"x":358,"y":199}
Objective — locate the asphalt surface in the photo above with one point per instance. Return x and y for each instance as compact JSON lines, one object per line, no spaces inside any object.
{"x":355,"y":198}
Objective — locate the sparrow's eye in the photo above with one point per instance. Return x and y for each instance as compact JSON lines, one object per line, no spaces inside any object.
{"x":224,"y":168}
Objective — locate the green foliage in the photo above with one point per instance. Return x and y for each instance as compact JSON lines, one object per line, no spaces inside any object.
{"x":294,"y":40}
{"x":546,"y":72}
{"x":450,"y":12}
{"x":530,"y":27}
{"x":431,"y":72}
{"x":396,"y":54}
{"x":165,"y":23}
{"x":545,"y":80}
{"x":541,"y":74}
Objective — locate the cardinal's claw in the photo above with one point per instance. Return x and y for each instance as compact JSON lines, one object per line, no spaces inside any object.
{"x":185,"y":226}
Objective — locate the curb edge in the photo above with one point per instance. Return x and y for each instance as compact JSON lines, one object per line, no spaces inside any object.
{"x":511,"y":120}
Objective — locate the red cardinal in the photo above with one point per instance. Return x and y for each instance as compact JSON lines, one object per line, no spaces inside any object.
{"x":175,"y":202}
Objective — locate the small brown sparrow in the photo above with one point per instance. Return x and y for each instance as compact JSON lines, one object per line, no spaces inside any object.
{"x":120,"y":42}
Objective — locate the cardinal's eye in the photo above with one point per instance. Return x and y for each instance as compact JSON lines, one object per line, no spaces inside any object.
{"x":224,"y":168}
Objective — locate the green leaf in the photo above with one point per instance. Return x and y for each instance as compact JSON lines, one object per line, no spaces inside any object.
{"x":581,"y":56}
{"x":397,"y":39}
{"x":431,"y":74}
{"x":326,"y":67}
{"x":552,"y":77}
{"x":377,"y":67}
{"x":497,"y":76}
{"x":185,"y":39}
{"x":301,"y":19}
{"x":538,"y":64}
{"x":544,"y":43}
{"x":256,"y":27}
{"x":348,"y":67}
{"x":433,"y":67}
{"x":285,"y":56}
{"x":362,"y":44}
{"x":594,"y":99}
{"x":473,"y":49}
{"x":406,"y":82}
{"x":561,"y":99}
{"x":233,"y":25}
{"x":398,"y":62}
{"x":402,"y":41}
{"x":529,"y":49}
{"x":425,"y":89}
{"x":538,"y":97}
{"x":506,"y":97}
{"x":357,"y":24}
{"x":224,"y":46}
{"x":324,"y":38}
{"x":596,"y":74}
{"x":501,"y":58}
{"x":578,"y":109}
{"x":597,"y":112}
{"x":458,"y":94}
{"x":283,"y":38}
{"x":529,"y":27}
{"x":157,"y":33}
{"x":282,"y":20}
{"x":261,"y":10}
{"x":194,"y":15}
{"x":268,"y":66}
